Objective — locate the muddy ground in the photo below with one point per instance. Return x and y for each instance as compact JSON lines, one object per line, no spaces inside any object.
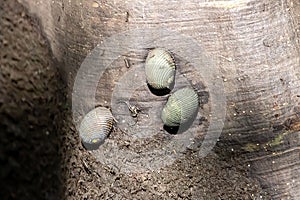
{"x":40,"y":152}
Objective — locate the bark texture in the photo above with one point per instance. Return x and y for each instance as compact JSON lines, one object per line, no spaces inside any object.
{"x":254,"y":44}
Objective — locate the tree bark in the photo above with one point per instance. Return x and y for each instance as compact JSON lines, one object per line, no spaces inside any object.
{"x":254,"y":45}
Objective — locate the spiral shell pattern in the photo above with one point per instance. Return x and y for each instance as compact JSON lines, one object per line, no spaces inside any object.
{"x":96,"y":125}
{"x":160,"y":69}
{"x":180,"y":107}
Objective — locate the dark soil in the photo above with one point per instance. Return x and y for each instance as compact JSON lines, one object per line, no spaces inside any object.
{"x":30,"y":103}
{"x":40,"y":152}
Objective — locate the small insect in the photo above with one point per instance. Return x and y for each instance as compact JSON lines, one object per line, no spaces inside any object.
{"x":181,"y":107}
{"x":126,"y":63}
{"x":133,"y":109}
{"x":96,"y":125}
{"x":160,"y":69}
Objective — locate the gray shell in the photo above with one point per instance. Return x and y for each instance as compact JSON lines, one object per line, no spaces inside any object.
{"x":180,"y":107}
{"x":96,"y":125}
{"x":160,"y":69}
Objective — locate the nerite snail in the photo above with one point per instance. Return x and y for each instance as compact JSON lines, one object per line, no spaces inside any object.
{"x":181,"y":106}
{"x":160,"y":69}
{"x":96,"y":125}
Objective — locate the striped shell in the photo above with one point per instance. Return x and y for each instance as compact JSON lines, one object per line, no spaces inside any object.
{"x":180,"y":107}
{"x":160,"y":69}
{"x":96,"y":125}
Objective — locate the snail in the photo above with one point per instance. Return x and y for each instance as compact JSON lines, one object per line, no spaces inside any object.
{"x":181,"y":107}
{"x":160,"y":69}
{"x":96,"y":125}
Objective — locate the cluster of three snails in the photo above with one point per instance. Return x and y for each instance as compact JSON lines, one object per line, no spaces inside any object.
{"x":160,"y":70}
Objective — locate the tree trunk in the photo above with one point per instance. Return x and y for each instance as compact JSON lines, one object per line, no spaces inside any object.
{"x":253,"y":45}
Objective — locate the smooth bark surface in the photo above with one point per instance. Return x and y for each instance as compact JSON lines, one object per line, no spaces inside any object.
{"x":253,"y":43}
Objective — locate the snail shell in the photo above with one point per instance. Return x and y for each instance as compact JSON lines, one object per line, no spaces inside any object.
{"x":160,"y":69}
{"x":96,"y":125}
{"x":180,"y":107}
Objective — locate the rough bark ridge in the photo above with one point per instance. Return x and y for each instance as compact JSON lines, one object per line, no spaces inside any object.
{"x":254,"y":44}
